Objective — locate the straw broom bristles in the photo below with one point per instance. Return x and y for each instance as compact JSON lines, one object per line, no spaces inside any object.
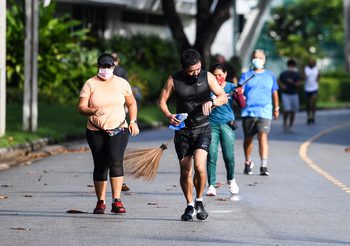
{"x":144,"y":163}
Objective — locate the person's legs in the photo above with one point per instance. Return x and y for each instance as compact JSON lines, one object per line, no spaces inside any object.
{"x":248,"y":148}
{"x":116,"y":149}
{"x":308,"y":98}
{"x":199,"y":179}
{"x":263,"y":145}
{"x":96,"y":143}
{"x":187,"y":187}
{"x":263,"y":128}
{"x":186,"y":180}
{"x":249,"y":130}
{"x":227,"y":145}
{"x":294,"y":109}
{"x":291,"y":119}
{"x":286,"y":110}
{"x":227,"y":139}
{"x":313,"y":106}
{"x":213,"y":154}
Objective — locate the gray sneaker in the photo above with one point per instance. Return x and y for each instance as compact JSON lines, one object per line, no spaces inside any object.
{"x":264,"y":171}
{"x":201,"y":213}
{"x":248,"y":168}
{"x":188,"y":214}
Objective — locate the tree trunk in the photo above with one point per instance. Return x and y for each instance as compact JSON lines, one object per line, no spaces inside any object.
{"x":175,"y":25}
{"x":2,"y":68}
{"x":347,"y":34}
{"x":208,"y":25}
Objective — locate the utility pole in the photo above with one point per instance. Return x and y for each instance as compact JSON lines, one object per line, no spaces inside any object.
{"x":235,"y":27}
{"x":347,"y":34}
{"x":30,"y":95}
{"x":2,"y":67}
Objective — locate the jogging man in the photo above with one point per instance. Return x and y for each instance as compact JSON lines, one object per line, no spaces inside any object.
{"x":191,"y":87}
{"x":261,"y":104}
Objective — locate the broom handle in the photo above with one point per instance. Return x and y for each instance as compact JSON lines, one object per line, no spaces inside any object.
{"x":165,"y":146}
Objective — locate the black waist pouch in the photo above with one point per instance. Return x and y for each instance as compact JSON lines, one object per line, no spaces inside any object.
{"x":232,"y":124}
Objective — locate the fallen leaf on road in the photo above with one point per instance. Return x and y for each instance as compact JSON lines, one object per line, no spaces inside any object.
{"x":20,"y":229}
{"x":90,"y":186}
{"x":222,"y":199}
{"x":28,"y":196}
{"x":3,"y":197}
{"x":152,"y":203}
{"x":6,"y":186}
{"x":73,"y":211}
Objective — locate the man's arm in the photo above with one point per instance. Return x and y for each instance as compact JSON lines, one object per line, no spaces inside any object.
{"x":163,"y":98}
{"x":276,"y":105}
{"x":221,"y":98}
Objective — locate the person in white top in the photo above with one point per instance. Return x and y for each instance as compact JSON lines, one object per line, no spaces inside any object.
{"x":311,"y":77}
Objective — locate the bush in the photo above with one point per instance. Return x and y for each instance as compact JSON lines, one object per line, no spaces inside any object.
{"x":62,"y":63}
{"x":334,"y":87}
{"x":148,"y":59}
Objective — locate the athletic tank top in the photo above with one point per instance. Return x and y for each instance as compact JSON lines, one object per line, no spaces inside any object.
{"x":311,"y":75}
{"x":190,"y":93}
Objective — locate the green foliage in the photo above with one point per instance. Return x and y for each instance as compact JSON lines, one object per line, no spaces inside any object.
{"x":334,"y":87}
{"x":14,"y":45}
{"x":59,"y":121}
{"x":55,"y":121}
{"x":303,"y":28}
{"x":63,"y":64}
{"x":148,"y":59}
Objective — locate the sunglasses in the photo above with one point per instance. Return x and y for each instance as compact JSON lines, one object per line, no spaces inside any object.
{"x":105,"y":66}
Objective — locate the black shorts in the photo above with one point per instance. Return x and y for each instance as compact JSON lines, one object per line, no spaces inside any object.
{"x":188,"y":140}
{"x":254,"y":125}
{"x":309,"y":94}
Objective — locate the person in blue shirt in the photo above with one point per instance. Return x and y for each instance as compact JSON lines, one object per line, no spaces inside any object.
{"x":222,"y":122}
{"x":262,"y":104}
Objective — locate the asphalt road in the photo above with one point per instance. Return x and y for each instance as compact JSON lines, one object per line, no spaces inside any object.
{"x":305,"y":200}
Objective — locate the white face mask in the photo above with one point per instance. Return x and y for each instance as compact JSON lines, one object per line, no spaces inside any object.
{"x":105,"y":73}
{"x":258,"y":63}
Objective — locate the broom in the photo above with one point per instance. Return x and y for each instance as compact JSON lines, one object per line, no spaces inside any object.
{"x":144,"y":163}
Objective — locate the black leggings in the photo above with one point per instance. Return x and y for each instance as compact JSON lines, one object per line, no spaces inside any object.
{"x":107,"y":152}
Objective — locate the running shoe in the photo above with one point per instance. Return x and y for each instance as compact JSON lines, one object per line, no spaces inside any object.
{"x":117,"y":207}
{"x":248,"y":168}
{"x":100,"y":207}
{"x":201,"y":213}
{"x":264,"y":171}
{"x":188,"y":214}
{"x":211,"y":191}
{"x":234,"y":189}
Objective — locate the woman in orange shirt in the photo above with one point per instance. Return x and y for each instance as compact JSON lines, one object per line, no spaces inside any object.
{"x":102,"y":99}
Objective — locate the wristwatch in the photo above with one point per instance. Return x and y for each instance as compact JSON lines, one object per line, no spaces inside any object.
{"x":211,"y":100}
{"x":133,"y":121}
{"x":277,"y":108}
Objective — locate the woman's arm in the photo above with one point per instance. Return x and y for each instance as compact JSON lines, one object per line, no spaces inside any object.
{"x":131,"y":104}
{"x":84,"y":109}
{"x":238,"y":97}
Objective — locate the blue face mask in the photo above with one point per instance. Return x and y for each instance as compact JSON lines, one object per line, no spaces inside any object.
{"x":258,"y":63}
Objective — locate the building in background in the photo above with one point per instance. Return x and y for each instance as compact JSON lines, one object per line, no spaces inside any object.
{"x":106,"y":18}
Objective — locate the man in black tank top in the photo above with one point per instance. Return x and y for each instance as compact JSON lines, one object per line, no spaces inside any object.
{"x":191,"y":88}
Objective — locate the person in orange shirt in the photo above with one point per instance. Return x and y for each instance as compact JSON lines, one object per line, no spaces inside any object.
{"x":102,"y":99}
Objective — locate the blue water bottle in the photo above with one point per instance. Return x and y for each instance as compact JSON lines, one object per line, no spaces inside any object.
{"x":181,"y":117}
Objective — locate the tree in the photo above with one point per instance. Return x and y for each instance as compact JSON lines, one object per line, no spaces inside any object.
{"x":208,"y":24}
{"x":304,"y":28}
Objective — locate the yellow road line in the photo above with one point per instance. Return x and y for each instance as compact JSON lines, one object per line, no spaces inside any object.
{"x":303,"y":154}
